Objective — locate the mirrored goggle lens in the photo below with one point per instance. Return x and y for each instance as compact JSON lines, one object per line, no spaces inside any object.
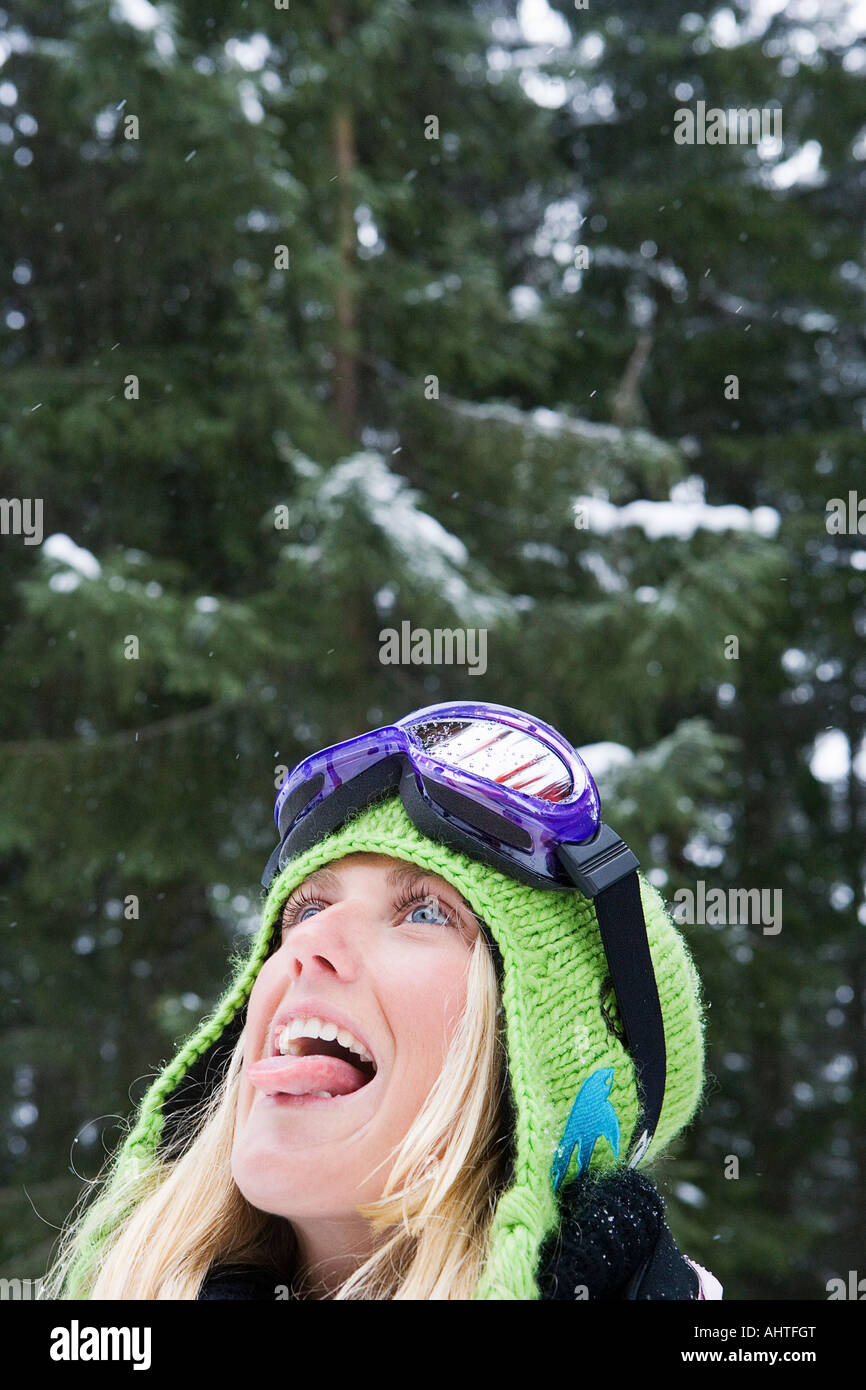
{"x":498,"y":752}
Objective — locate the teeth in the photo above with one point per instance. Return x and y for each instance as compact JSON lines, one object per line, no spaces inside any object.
{"x":328,"y":1095}
{"x":318,"y":1028}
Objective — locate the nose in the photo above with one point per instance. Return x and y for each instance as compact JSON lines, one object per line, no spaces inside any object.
{"x":325,"y":943}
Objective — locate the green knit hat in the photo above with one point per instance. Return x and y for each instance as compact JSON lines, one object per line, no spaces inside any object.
{"x":557,"y":1010}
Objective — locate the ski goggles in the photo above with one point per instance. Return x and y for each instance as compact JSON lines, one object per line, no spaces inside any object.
{"x":508,"y":790}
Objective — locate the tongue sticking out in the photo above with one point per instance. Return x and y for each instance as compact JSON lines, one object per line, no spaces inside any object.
{"x":300,"y":1076}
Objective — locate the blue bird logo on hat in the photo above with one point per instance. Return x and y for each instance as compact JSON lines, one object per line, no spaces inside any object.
{"x":592,"y":1117}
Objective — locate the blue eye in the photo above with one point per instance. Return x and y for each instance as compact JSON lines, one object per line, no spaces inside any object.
{"x":430,"y":905}
{"x":296,"y":910}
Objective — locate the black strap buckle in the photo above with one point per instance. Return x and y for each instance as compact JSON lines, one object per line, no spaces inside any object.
{"x":595,"y":864}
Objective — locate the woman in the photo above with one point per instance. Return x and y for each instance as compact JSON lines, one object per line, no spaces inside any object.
{"x":464,"y":1022}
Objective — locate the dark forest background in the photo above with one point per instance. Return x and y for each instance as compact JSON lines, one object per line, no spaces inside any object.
{"x":288,"y":361}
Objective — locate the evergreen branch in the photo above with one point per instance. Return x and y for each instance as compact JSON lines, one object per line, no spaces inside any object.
{"x":537,"y":422}
{"x":120,"y":738}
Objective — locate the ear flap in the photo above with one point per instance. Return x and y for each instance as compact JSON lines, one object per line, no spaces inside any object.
{"x":196,"y":1085}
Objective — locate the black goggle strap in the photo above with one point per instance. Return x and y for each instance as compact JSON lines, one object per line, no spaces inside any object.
{"x":605,"y":869}
{"x":272,"y":867}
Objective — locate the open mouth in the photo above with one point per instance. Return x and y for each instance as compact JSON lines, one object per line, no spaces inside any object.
{"x":313,"y":1057}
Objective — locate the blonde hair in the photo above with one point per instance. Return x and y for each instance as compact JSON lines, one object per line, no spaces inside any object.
{"x":154,"y":1232}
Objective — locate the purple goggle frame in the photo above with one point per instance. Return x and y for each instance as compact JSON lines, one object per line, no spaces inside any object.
{"x":508,"y":790}
{"x":530,"y":828}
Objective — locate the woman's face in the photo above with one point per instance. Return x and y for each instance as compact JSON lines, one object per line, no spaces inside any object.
{"x":381,"y":948}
